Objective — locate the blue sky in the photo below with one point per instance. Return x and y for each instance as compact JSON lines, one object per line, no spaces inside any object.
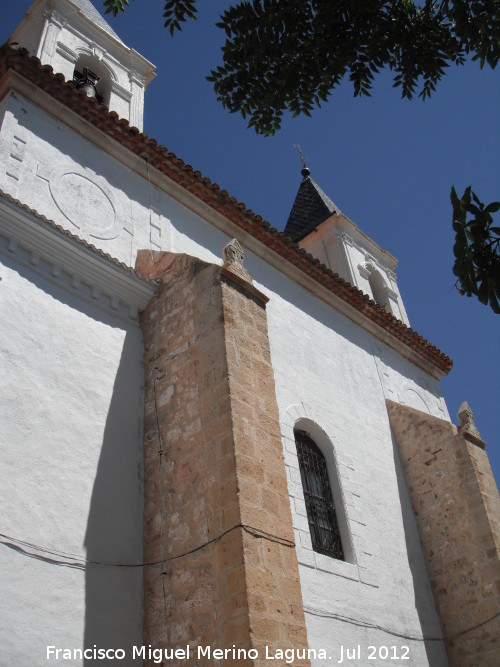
{"x":387,"y":163}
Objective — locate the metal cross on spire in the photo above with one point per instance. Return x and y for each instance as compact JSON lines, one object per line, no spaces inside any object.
{"x":303,"y":158}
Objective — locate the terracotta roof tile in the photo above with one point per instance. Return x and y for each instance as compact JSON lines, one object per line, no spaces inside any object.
{"x":170,"y":165}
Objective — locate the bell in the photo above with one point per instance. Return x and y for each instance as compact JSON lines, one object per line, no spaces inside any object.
{"x":87,"y":81}
{"x":89,"y":89}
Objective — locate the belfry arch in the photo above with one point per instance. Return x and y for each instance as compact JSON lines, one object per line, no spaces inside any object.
{"x":92,"y":64}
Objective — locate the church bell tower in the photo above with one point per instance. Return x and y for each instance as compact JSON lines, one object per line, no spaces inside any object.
{"x":73,"y":38}
{"x":318,"y":225}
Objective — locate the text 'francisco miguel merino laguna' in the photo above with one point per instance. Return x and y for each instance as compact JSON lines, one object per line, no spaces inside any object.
{"x":288,"y":655}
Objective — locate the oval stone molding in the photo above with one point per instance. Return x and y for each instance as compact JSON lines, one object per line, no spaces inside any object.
{"x":88,"y":205}
{"x":85,"y":204}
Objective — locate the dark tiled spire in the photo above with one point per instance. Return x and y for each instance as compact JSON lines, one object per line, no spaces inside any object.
{"x":310,"y":208}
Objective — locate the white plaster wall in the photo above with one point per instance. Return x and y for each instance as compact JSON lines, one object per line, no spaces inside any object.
{"x":332,"y":243}
{"x":324,"y":244}
{"x":76,"y":41}
{"x":355,"y":258}
{"x":61,"y":175}
{"x":122,"y":107}
{"x":3,"y":108}
{"x":61,"y":64}
{"x":332,"y":375}
{"x":328,"y":372}
{"x":70,"y":472}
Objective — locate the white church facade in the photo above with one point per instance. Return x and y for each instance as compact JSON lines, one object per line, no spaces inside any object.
{"x":215,"y":436}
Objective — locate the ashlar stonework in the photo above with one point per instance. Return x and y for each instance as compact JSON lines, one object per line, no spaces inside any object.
{"x":217,"y":520}
{"x":457,"y":507}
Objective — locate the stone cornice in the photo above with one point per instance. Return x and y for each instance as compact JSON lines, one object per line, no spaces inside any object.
{"x":364,"y":243}
{"x":70,"y":262}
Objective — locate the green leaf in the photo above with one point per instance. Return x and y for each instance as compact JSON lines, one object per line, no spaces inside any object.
{"x":476,"y":248}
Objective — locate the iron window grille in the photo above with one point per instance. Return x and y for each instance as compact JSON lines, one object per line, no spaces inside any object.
{"x":321,"y":516}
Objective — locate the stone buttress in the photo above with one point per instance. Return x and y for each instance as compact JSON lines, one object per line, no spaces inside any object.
{"x":457,"y":508}
{"x":217,"y":521}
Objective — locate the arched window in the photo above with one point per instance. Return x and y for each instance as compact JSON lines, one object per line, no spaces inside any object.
{"x":323,"y":524}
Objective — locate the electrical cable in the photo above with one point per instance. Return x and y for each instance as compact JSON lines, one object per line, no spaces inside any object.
{"x":78,"y":562}
{"x":363,"y":624}
{"x":21,"y":546}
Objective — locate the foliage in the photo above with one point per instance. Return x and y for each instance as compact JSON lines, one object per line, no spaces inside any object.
{"x":477,"y":248}
{"x":174,"y":11}
{"x":288,"y":55}
{"x":115,"y":6}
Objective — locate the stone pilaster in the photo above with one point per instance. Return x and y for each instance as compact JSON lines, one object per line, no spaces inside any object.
{"x":457,"y":508}
{"x":217,"y":517}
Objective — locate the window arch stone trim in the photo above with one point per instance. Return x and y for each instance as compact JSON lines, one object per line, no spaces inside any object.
{"x":318,"y":496}
{"x":99,"y":57}
{"x":357,"y":564}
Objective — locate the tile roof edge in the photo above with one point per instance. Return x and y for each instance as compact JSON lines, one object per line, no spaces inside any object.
{"x":167,"y":163}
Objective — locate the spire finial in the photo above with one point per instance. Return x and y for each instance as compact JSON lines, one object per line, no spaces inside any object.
{"x":303,"y":158}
